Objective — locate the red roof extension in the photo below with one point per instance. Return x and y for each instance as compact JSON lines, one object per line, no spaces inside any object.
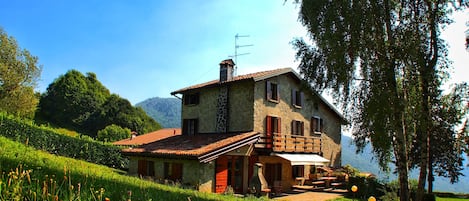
{"x":150,"y":137}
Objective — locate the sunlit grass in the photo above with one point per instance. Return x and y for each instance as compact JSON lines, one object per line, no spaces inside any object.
{"x":37,"y":175}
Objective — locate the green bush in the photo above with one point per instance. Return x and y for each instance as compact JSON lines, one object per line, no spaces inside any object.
{"x":83,"y":148}
{"x":113,"y":133}
{"x":367,"y":186}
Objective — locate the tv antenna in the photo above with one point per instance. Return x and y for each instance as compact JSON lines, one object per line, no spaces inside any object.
{"x":236,"y":54}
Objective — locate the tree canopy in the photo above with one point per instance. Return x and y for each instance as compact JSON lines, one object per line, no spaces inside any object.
{"x":385,"y":61}
{"x":82,"y":103}
{"x":19,"y":72}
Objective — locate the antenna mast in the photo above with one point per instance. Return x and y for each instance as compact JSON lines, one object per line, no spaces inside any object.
{"x":237,"y":36}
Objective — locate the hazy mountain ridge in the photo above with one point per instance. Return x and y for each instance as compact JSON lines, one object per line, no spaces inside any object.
{"x":365,"y":163}
{"x":166,"y":111}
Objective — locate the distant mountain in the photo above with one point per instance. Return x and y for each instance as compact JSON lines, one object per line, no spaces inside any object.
{"x":366,"y":163}
{"x":166,"y":111}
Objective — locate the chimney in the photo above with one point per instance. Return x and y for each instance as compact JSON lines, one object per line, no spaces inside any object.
{"x":226,"y":70}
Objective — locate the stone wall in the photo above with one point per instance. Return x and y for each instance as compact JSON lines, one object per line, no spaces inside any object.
{"x":240,"y":108}
{"x":312,"y":106}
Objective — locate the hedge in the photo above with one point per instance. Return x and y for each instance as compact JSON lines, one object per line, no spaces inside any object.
{"x":85,"y":148}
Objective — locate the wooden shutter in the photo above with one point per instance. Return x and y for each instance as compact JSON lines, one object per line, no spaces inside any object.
{"x":302,"y":98}
{"x":293,"y":97}
{"x":279,"y":125}
{"x":321,"y":124}
{"x":151,"y":168}
{"x":268,"y":90}
{"x":293,"y":127}
{"x":142,"y":167}
{"x":221,"y":174}
{"x":196,"y":98}
{"x":302,"y":127}
{"x":196,"y":126}
{"x":268,"y":132}
{"x":278,"y":92}
{"x":176,"y":171}
{"x":268,"y":127}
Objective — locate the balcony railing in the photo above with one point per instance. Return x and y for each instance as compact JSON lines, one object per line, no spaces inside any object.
{"x":290,"y":143}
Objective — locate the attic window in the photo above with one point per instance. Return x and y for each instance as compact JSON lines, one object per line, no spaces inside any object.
{"x":191,"y":99}
{"x":297,"y":98}
{"x":272,"y":92}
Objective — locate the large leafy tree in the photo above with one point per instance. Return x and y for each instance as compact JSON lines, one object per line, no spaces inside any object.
{"x":385,"y":61}
{"x":19,"y":72}
{"x":71,"y":99}
{"x":82,"y":103}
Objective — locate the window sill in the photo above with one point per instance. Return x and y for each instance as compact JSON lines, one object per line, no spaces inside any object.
{"x":273,"y":100}
{"x":191,"y":105}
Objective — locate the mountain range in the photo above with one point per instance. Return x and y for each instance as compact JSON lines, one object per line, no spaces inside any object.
{"x":365,"y":162}
{"x":167,"y":111}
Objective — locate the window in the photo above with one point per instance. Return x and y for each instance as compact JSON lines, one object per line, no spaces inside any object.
{"x":190,"y":126}
{"x":298,"y":171}
{"x":146,"y":168}
{"x":316,"y":125}
{"x":297,"y":98}
{"x":273,"y":91}
{"x":273,"y":125}
{"x":173,"y":171}
{"x":297,"y":127}
{"x":191,"y":99}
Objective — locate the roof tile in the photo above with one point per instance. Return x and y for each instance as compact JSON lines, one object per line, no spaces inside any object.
{"x":187,"y":145}
{"x":150,"y":137}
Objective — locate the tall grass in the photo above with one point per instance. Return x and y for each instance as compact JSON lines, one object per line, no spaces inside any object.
{"x":29,"y":174}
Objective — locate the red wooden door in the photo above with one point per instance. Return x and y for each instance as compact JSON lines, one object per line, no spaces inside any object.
{"x":221,"y":174}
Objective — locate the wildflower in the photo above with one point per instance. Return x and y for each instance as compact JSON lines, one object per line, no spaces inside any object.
{"x":107,"y":199}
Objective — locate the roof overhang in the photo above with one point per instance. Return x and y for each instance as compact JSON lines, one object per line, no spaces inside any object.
{"x":207,"y":157}
{"x":303,"y":159}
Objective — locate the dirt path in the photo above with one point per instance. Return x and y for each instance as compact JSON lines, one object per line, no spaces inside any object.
{"x":309,"y":196}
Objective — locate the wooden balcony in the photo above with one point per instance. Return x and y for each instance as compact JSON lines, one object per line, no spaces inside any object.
{"x":290,"y":143}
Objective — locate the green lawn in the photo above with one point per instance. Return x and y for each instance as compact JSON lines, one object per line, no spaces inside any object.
{"x":29,"y":174}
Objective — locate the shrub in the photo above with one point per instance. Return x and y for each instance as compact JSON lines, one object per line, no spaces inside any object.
{"x":83,"y":148}
{"x":113,"y":133}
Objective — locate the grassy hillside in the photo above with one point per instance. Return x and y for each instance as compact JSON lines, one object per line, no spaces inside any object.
{"x":47,"y":139}
{"x":365,"y":163}
{"x":166,"y":111}
{"x":29,"y":174}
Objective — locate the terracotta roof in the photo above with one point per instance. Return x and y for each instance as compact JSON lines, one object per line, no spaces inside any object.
{"x":150,"y":137}
{"x":193,"y":145}
{"x":255,"y":76}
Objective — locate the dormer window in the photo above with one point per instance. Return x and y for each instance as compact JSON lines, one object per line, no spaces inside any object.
{"x":191,"y":99}
{"x":316,"y":125}
{"x":273,"y":91}
{"x":297,"y":98}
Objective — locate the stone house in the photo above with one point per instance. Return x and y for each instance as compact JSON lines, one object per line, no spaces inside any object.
{"x":270,"y":117}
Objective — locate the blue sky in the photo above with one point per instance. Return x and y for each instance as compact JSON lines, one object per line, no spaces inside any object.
{"x":144,"y":49}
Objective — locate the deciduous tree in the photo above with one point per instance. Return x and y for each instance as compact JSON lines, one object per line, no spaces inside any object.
{"x":384,"y":60}
{"x":19,"y":72}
